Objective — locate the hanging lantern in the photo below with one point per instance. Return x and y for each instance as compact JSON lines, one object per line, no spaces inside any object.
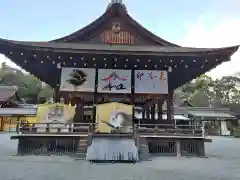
{"x":59,"y":65}
{"x":169,"y":69}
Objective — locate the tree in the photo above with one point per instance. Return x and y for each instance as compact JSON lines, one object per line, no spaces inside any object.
{"x":203,"y":91}
{"x":225,"y":87}
{"x":29,"y":87}
{"x":197,"y":91}
{"x":201,"y":98}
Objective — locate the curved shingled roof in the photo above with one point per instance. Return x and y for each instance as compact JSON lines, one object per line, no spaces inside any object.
{"x":42,"y":58}
{"x":114,"y":10}
{"x":120,"y":49}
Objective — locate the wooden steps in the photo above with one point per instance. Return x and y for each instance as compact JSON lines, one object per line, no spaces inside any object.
{"x":82,"y":149}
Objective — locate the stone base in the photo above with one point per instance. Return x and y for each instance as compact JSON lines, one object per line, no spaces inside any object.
{"x":112,"y":149}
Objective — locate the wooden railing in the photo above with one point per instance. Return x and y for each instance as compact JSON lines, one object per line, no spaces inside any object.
{"x":55,"y":128}
{"x":169,"y":129}
{"x":138,"y":129}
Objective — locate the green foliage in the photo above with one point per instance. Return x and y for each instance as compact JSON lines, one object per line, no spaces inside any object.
{"x":29,"y":87}
{"x":204,"y":91}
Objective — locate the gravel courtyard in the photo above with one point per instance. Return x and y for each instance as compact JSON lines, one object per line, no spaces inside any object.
{"x":223,"y":164}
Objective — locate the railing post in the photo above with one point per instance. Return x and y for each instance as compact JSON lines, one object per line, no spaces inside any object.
{"x":18,"y":127}
{"x":193,"y":130}
{"x":70,"y":128}
{"x":90,"y":129}
{"x":34,"y":129}
{"x":178,"y":148}
{"x":203,"y":131}
{"x":48,"y":127}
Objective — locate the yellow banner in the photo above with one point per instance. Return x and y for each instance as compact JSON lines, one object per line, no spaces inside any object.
{"x":114,"y":117}
{"x":55,"y":112}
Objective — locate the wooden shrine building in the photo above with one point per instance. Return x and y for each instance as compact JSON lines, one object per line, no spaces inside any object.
{"x":118,"y":42}
{"x":115,"y":59}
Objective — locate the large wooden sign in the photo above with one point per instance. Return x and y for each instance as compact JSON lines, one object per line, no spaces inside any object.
{"x":151,"y":82}
{"x":114,"y":81}
{"x":78,"y":79}
{"x":117,"y":36}
{"x":112,"y":116}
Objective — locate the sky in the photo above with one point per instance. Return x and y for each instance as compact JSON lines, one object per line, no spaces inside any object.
{"x":191,"y":23}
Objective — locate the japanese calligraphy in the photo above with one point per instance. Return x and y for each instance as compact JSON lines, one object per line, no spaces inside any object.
{"x":162,"y":76}
{"x":151,"y":76}
{"x":151,"y":82}
{"x":140,"y":75}
{"x":112,"y":82}
{"x":117,"y":87}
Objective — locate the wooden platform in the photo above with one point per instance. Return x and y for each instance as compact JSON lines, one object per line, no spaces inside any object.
{"x":74,"y":135}
{"x":177,"y":137}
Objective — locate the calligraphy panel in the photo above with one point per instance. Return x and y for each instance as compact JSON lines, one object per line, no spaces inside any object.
{"x":114,"y":81}
{"x":78,"y":79}
{"x":151,"y":82}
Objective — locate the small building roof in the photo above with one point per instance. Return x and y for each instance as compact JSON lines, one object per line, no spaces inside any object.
{"x":211,"y":115}
{"x":18,"y":111}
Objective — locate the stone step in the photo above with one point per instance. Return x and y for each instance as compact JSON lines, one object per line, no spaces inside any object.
{"x":80,"y":156}
{"x":83,"y":142}
{"x":82,"y":150}
{"x":83,"y":145}
{"x":144,"y":152}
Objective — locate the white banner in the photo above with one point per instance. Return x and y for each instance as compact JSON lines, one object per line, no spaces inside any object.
{"x":114,"y":81}
{"x":78,"y":79}
{"x":151,"y":82}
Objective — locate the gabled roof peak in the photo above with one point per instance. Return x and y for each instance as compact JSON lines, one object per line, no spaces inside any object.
{"x":118,"y":2}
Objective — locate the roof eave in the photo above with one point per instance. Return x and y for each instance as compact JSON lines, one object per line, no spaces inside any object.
{"x":124,"y":51}
{"x":111,"y":11}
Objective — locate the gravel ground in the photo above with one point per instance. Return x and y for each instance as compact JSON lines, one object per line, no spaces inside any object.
{"x":223,"y":164}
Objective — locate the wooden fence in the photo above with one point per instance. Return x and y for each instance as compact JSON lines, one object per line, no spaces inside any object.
{"x":85,"y":128}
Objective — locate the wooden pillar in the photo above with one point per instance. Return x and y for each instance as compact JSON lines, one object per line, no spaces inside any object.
{"x":152,"y":111}
{"x":79,"y":110}
{"x":170,"y":107}
{"x":95,"y":94}
{"x":2,"y":124}
{"x":147,"y":112}
{"x":133,"y":95}
{"x":66,"y":99}
{"x":72,"y":102}
{"x":159,"y":107}
{"x":56,"y":94}
{"x":94,"y":111}
{"x":143,"y":113}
